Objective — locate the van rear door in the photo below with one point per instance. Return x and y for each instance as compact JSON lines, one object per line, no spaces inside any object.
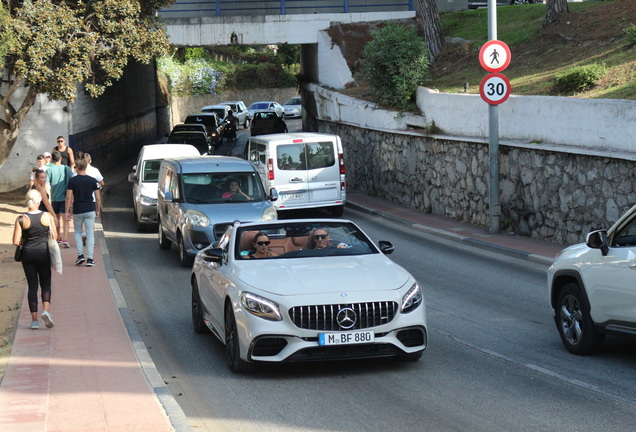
{"x":290,"y":174}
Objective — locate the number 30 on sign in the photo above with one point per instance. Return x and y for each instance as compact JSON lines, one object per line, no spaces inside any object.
{"x":494,"y":88}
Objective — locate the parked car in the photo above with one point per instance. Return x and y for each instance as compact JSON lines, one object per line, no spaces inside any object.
{"x":293,"y":107}
{"x":220,"y":110}
{"x":198,"y":139}
{"x":266,"y":106}
{"x":305,"y":302}
{"x":240,"y":111}
{"x":592,"y":287}
{"x":307,"y":169}
{"x":267,"y":122}
{"x":195,"y":204}
{"x":211,"y":122}
{"x":145,"y":175}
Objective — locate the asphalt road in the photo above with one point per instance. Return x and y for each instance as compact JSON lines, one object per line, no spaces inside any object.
{"x":494,"y":361}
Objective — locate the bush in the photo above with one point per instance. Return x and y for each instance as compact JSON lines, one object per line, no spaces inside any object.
{"x":631,"y":34}
{"x":396,"y":62}
{"x":579,"y":79}
{"x":262,"y":75}
{"x":194,"y":77}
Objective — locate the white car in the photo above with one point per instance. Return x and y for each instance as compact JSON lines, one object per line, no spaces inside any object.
{"x":323,"y":291}
{"x":592,"y":287}
{"x":293,"y":107}
{"x":144,"y":178}
{"x":266,"y":106}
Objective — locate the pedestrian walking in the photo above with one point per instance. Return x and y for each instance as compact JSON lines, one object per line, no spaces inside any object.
{"x":68,"y":158}
{"x":58,"y":177}
{"x":83,"y":210}
{"x":32,"y":231}
{"x":97,"y":175}
{"x":43,"y":187}
{"x":40,"y":164}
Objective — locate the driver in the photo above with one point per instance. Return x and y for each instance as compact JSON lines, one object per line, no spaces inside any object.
{"x":235,"y":191}
{"x":319,"y":239}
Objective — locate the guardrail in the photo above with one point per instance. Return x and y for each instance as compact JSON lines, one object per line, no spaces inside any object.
{"x":185,"y":9}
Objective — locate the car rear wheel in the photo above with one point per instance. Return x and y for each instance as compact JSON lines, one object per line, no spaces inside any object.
{"x":574,"y":322}
{"x":197,"y":310}
{"x":184,"y":259}
{"x":232,"y":346}
{"x":164,"y":243}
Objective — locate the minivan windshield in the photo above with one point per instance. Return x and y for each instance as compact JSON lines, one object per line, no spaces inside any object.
{"x":219,"y":188}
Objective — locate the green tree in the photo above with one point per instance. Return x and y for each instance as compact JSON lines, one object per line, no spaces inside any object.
{"x":58,"y":44}
{"x":396,"y":62}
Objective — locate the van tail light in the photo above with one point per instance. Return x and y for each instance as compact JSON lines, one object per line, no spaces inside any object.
{"x":270,"y":169}
{"x":341,"y":159}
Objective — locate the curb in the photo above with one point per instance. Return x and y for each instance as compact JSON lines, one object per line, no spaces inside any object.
{"x":503,"y":250}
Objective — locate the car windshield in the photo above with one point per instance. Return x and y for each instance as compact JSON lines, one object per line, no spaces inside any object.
{"x":301,"y":240}
{"x":294,"y":101}
{"x":220,"y":188}
{"x":262,"y":106}
{"x":150,"y":171}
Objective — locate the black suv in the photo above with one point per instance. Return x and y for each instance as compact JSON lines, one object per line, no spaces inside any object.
{"x":211,"y":122}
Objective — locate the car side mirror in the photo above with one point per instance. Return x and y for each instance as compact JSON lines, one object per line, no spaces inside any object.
{"x":273,"y":194}
{"x":598,"y":240}
{"x":212,"y":255}
{"x":386,"y":247}
{"x":132,"y":177}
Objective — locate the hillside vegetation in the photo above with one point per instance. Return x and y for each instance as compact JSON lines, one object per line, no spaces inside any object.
{"x":591,"y":33}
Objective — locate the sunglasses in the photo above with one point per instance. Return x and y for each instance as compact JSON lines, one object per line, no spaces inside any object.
{"x":60,"y":140}
{"x":320,"y":236}
{"x":265,"y":243}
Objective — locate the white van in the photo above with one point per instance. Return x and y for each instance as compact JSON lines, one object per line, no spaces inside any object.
{"x":144,"y":178}
{"x":307,"y":169}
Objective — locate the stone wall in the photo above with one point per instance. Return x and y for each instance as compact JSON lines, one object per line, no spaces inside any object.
{"x":559,"y":196}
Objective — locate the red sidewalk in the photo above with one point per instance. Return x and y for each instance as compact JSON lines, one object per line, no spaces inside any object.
{"x":83,"y":375}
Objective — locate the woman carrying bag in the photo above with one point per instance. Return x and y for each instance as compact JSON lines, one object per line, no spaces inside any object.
{"x":32,"y":231}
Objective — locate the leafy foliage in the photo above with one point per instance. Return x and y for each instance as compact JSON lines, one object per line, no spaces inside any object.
{"x":194,"y":77}
{"x":396,"y":62}
{"x":60,"y":44}
{"x":579,"y":78}
{"x":6,"y":38}
{"x":631,"y":34}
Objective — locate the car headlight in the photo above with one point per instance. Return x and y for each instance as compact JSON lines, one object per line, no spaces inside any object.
{"x":261,"y":307}
{"x":412,"y":299}
{"x":196,"y":219}
{"x":147,"y":201}
{"x":269,"y":214}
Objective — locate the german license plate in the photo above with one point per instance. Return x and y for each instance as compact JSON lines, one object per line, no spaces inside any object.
{"x":296,"y":196}
{"x":346,"y":338}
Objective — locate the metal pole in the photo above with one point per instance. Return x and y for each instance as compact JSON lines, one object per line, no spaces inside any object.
{"x":494,"y":206}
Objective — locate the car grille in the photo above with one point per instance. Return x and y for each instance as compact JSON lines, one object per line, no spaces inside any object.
{"x":324,"y":317}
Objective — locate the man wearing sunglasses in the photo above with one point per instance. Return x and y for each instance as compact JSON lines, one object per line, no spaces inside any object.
{"x":319,"y":239}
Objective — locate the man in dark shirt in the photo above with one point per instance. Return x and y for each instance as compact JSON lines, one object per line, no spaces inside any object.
{"x":83,"y":210}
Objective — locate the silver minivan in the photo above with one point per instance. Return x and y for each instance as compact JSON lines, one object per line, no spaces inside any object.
{"x":198,"y":197}
{"x":307,"y":169}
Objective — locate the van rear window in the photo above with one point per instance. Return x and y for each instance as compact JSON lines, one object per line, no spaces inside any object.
{"x":294,"y":157}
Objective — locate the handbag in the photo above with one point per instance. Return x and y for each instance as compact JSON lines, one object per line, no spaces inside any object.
{"x":54,"y":252}
{"x":18,"y":248}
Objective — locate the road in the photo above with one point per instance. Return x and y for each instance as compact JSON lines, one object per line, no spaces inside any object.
{"x":494,"y":361}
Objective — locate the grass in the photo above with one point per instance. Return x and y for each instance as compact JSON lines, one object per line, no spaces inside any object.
{"x":592,"y":32}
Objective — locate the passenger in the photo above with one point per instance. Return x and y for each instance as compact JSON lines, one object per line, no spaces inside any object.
{"x":261,"y":242}
{"x":320,"y":239}
{"x":235,"y":191}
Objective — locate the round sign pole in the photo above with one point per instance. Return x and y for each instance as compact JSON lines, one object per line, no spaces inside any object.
{"x":494,"y":204}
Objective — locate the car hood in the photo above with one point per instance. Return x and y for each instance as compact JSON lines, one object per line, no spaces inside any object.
{"x":301,"y":276}
{"x":230,"y":212}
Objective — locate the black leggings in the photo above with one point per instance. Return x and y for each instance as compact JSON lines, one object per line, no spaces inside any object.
{"x":37,"y":268}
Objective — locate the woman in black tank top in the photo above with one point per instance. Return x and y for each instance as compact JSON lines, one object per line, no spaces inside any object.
{"x":32,"y":230}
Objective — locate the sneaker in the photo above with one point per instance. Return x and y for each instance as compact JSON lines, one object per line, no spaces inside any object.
{"x":65,"y":244}
{"x":48,"y":319}
{"x":80,"y":260}
{"x":35,"y":325}
{"x":84,"y":239}
{"x":90,"y":262}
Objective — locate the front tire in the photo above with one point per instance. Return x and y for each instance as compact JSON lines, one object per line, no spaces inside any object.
{"x":574,"y":322}
{"x":246,"y":125}
{"x":197,"y":310}
{"x":232,"y":345}
{"x":164,"y":243}
{"x":184,"y":259}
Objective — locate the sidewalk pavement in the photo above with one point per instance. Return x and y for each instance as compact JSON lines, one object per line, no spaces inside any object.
{"x":92,"y":373}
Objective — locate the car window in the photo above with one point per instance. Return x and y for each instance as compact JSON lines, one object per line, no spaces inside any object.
{"x":216,"y":188}
{"x":320,"y":155}
{"x":173,"y":185}
{"x":295,"y":240}
{"x":291,"y":157}
{"x":259,"y":106}
{"x":150,"y":171}
{"x":626,"y":234}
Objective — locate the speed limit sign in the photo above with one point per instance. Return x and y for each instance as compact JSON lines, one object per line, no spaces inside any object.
{"x":494,"y":88}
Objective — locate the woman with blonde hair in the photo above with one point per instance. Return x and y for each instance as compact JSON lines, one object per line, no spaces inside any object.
{"x":32,"y":231}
